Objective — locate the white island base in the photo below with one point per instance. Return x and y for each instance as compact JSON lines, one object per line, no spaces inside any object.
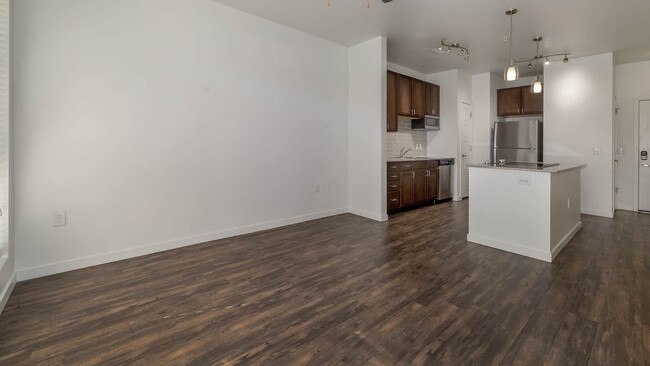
{"x":530,"y":212}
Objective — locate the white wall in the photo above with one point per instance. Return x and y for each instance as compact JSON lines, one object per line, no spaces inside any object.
{"x":159,"y":123}
{"x":367,"y":129}
{"x":578,"y":118}
{"x":632,"y":85}
{"x":455,"y":89}
{"x":7,"y":275}
{"x":482,"y":103}
{"x":444,"y":143}
{"x":484,"y":98}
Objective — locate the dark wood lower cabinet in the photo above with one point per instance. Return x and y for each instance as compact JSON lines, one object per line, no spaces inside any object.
{"x":415,"y":183}
{"x":432,"y":179}
{"x":393,"y":201}
{"x":406,"y":188}
{"x":420,"y":186}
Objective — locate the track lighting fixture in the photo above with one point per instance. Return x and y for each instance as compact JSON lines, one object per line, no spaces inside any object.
{"x":462,"y":51}
{"x":548,"y":61}
{"x":566,"y":59}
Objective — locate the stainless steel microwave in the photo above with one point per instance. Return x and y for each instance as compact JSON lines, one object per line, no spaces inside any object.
{"x":431,"y":123}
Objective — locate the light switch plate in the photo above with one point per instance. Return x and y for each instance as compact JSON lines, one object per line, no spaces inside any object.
{"x":596,"y":150}
{"x":523,"y":180}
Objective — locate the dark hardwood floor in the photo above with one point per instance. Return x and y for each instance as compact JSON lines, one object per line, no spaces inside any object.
{"x":347,"y":290}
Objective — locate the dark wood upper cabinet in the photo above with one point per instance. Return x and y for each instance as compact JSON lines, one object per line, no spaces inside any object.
{"x":418,"y":101}
{"x":391,"y":102}
{"x":406,"y":188}
{"x":435,"y":100}
{"x":531,"y":103}
{"x":428,"y":98}
{"x":431,"y":100}
{"x":415,"y":98}
{"x":419,"y":186}
{"x":519,"y":101}
{"x":404,"y":91}
{"x":508,"y":101}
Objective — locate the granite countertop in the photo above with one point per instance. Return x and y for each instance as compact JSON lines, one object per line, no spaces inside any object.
{"x":551,"y":169}
{"x":397,"y":160}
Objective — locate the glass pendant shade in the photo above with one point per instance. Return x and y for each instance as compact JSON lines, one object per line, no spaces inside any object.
{"x":536,"y":86}
{"x":511,"y":73}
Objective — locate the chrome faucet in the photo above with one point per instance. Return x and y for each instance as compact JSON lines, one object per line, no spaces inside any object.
{"x":402,"y":152}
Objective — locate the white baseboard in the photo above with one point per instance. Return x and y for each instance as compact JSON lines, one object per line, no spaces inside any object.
{"x":6,"y":291}
{"x":510,"y":247}
{"x":625,"y":208}
{"x":564,"y":241}
{"x":93,"y":260}
{"x":369,"y":215}
{"x":602,"y":213}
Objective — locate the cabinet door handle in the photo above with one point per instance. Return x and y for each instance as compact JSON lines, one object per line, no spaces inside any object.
{"x":413,"y":174}
{"x":394,"y":186}
{"x":393,"y":199}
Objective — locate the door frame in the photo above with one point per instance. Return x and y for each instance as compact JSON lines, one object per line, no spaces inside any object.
{"x":637,"y":125}
{"x":458,"y":174}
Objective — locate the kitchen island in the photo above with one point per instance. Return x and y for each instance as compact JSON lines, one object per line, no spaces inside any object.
{"x":529,"y":211}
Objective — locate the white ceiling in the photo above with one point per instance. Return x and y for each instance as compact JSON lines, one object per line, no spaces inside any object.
{"x":582,"y":27}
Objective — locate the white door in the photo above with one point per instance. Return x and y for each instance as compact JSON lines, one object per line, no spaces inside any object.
{"x":466,"y":146}
{"x":644,"y":155}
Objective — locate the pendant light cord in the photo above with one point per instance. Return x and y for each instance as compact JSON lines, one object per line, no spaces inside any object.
{"x":537,"y":59}
{"x":511,"y":59}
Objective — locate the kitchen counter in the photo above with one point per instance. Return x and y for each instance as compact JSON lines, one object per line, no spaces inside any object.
{"x":523,"y":210}
{"x":551,"y":169}
{"x":397,"y":160}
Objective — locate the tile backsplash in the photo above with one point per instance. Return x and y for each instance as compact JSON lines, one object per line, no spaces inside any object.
{"x":405,"y":137}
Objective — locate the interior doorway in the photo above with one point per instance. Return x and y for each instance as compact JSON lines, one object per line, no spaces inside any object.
{"x":643,"y":159}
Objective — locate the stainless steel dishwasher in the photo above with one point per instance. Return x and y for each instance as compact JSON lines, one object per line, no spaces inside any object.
{"x":444,"y":179}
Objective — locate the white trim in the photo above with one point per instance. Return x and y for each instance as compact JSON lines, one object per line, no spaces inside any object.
{"x":510,"y":247}
{"x":93,"y":260}
{"x":567,"y":238}
{"x":602,"y":213}
{"x":635,"y":194}
{"x":4,"y":295}
{"x":637,"y":125}
{"x":625,"y":208}
{"x":368,"y":215}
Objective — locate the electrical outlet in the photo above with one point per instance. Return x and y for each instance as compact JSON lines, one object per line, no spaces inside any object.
{"x":58,"y":218}
{"x":317,"y":188}
{"x":327,"y":187}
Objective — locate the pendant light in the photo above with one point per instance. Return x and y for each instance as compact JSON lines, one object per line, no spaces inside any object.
{"x":511,"y":72}
{"x":536,"y":86}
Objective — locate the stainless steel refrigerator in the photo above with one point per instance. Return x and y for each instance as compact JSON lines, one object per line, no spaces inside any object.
{"x":518,"y":142}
